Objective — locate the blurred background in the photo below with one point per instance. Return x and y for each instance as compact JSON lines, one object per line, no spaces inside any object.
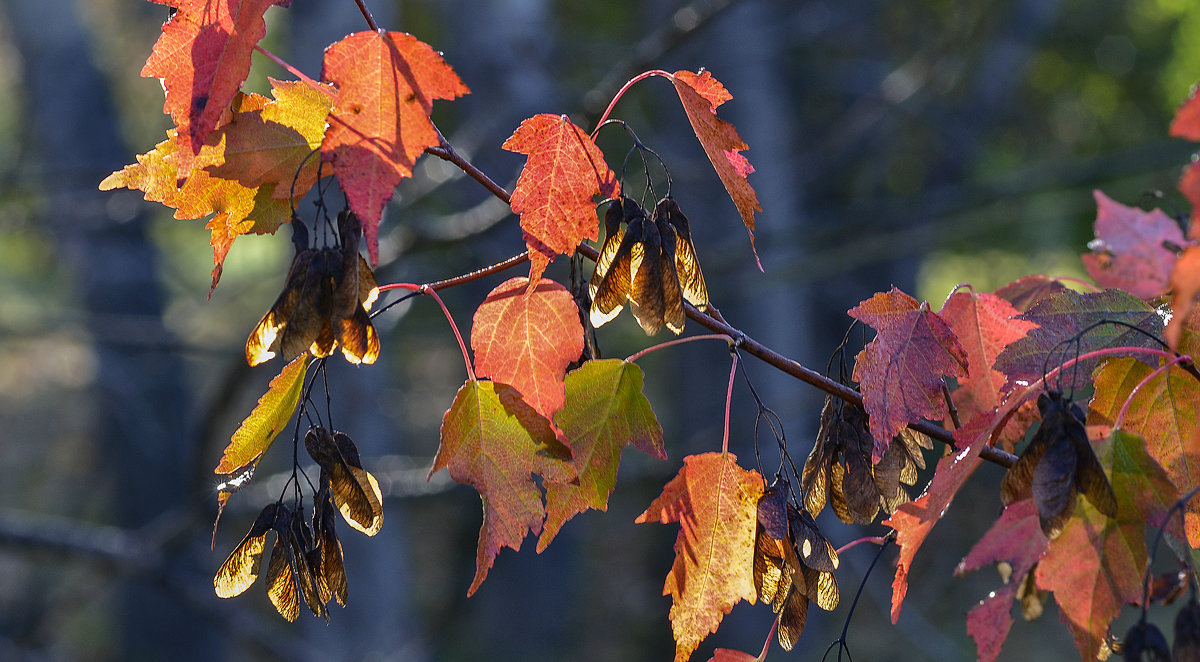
{"x":914,"y":143}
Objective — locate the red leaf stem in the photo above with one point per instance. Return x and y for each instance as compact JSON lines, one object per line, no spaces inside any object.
{"x":677,"y":341}
{"x":624,"y":88}
{"x":425,"y":289}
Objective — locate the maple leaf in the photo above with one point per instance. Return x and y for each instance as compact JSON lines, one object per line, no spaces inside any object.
{"x":387,"y":82}
{"x":1094,"y":567}
{"x":1063,"y":316}
{"x":1185,"y":284}
{"x":237,"y":208}
{"x":715,"y":501}
{"x":1025,"y":291}
{"x":202,"y":58}
{"x":1015,"y":538}
{"x":526,"y":337}
{"x":1134,"y":250}
{"x":701,"y":94}
{"x":270,"y":145}
{"x":268,"y":418}
{"x":914,"y":520}
{"x":901,"y":371}
{"x":555,"y":193}
{"x":494,"y":441}
{"x":985,"y":324}
{"x":605,"y":411}
{"x":1163,"y":412}
{"x":1139,"y":482}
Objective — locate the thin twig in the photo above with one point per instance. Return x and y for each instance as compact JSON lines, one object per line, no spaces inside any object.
{"x":362,"y":7}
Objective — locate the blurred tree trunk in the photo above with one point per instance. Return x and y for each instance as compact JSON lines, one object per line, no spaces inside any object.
{"x":141,"y":401}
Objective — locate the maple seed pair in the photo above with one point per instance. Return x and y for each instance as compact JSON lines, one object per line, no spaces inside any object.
{"x":306,"y":561}
{"x":651,"y":263}
{"x":324,"y":302}
{"x":302,"y":566}
{"x":1058,"y":465}
{"x":793,"y":563}
{"x":839,"y":470}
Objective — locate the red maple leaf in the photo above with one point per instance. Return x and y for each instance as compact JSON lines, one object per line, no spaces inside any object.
{"x":716,"y":504}
{"x":1016,"y":538}
{"x":1094,"y":567}
{"x":605,"y":411}
{"x":527,"y":340}
{"x":1134,"y":250}
{"x":985,"y":324}
{"x":1163,"y":412}
{"x":387,"y":82}
{"x":914,"y":520}
{"x":555,"y":194}
{"x":494,"y":441}
{"x":701,"y":94}
{"x":1185,"y":283}
{"x":202,"y":58}
{"x":901,"y":370}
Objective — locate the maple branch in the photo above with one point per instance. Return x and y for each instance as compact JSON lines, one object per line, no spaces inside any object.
{"x":677,"y":341}
{"x":446,"y":152}
{"x":362,"y":7}
{"x":950,"y":408}
{"x":513,"y":261}
{"x":809,"y":376}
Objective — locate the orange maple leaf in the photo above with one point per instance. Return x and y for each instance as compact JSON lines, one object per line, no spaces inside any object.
{"x":716,"y":504}
{"x":701,"y":94}
{"x":555,"y":194}
{"x":269,"y":145}
{"x":901,"y":370}
{"x":236,"y":209}
{"x":528,"y":340}
{"x":202,"y":58}
{"x":380,"y":125}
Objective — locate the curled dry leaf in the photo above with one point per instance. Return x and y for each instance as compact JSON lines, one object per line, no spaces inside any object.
{"x":354,"y":490}
{"x":1057,"y":465}
{"x":651,"y":263}
{"x":324,"y":302}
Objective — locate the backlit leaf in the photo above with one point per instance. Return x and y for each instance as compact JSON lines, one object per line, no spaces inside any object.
{"x":1134,"y":250}
{"x":605,"y":411}
{"x":901,"y":371}
{"x":1023,"y":292}
{"x":555,"y":194}
{"x":526,"y":338}
{"x":1094,"y":568}
{"x":914,"y":520}
{"x":494,"y":441}
{"x":715,"y":502}
{"x":1062,"y":317}
{"x":1164,"y":413}
{"x":985,"y":324}
{"x":268,"y":145}
{"x":202,"y":58}
{"x":269,"y":417}
{"x":387,"y":82}
{"x":701,"y":94}
{"x":1185,"y":285}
